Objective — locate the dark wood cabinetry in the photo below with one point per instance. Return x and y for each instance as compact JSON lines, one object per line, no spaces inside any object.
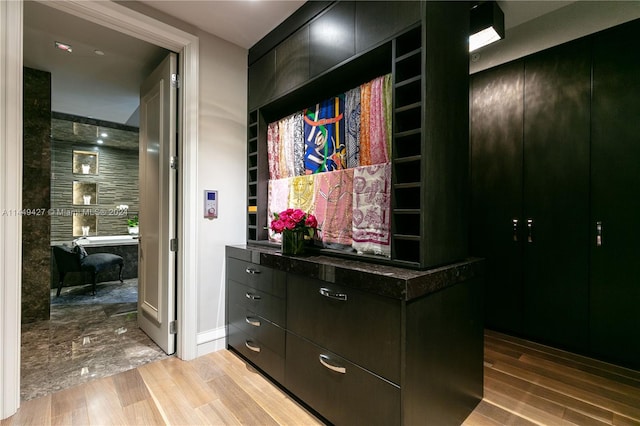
{"x":292,"y":62}
{"x":332,"y":37}
{"x":262,"y":80}
{"x":614,"y":330}
{"x":496,"y":176}
{"x":557,"y":87}
{"x":553,"y":142}
{"x":340,"y":319}
{"x":392,"y":346}
{"x":377,"y":21}
{"x":256,"y":307}
{"x":423,"y":45}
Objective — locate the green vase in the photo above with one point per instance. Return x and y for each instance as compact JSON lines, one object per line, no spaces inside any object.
{"x":293,"y":242}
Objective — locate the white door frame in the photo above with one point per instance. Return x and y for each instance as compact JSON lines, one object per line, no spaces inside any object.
{"x":135,"y":24}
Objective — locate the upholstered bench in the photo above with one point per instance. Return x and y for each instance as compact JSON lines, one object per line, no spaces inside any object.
{"x":76,"y":259}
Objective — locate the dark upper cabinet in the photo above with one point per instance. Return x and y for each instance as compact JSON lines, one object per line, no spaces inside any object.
{"x":332,"y":37}
{"x":615,"y":197}
{"x":557,"y":90}
{"x":292,"y":61}
{"x":371,"y":30}
{"x":496,"y":180}
{"x":262,"y":80}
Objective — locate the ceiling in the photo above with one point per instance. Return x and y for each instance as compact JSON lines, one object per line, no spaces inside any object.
{"x":106,"y":87}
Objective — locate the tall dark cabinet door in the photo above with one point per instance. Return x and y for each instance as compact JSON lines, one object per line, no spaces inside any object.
{"x":332,"y":38}
{"x":615,"y":186}
{"x":496,"y":179}
{"x":556,"y":194}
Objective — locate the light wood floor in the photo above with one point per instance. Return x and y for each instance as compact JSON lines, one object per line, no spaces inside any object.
{"x":525,"y":383}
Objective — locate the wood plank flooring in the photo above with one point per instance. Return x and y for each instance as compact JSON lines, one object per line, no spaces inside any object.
{"x":525,"y":384}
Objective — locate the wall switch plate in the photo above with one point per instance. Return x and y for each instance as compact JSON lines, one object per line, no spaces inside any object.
{"x":210,"y":204}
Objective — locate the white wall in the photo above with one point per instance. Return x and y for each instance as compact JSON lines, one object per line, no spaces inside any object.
{"x":222,"y":153}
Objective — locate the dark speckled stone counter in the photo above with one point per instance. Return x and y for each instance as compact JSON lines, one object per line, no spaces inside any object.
{"x":390,"y":281}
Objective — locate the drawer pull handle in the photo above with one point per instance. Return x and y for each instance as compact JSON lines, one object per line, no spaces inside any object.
{"x":332,"y":294}
{"x":252,"y":271}
{"x":324,"y":360}
{"x":252,"y":321}
{"x":252,"y":296}
{"x":251,"y":346}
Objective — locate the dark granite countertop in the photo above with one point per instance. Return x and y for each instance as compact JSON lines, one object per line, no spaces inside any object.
{"x":385,"y":280}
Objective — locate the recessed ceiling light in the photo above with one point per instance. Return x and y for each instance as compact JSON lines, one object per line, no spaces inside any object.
{"x":100,"y":141}
{"x":98,"y":52}
{"x":64,"y":46}
{"x":104,"y":135}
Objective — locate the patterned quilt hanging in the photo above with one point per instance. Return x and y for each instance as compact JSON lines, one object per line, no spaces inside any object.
{"x":372,"y":209}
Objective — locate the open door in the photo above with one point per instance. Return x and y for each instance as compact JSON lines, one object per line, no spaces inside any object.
{"x":156,"y":270}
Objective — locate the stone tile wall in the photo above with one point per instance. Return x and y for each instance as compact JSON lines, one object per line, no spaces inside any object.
{"x":36,"y":254}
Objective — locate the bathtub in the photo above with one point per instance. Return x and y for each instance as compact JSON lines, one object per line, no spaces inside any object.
{"x":107,"y":240}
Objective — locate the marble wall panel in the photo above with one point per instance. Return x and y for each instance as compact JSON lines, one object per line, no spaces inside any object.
{"x":36,"y":223}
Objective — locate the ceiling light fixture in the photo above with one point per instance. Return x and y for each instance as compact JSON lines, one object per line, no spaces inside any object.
{"x":100,"y":141}
{"x":64,"y":46}
{"x":103,"y":134}
{"x":98,"y":52}
{"x":486,"y":24}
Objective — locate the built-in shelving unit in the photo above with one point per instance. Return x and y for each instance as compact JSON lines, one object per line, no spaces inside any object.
{"x":407,"y":146}
{"x":257,"y":177}
{"x":429,"y":67}
{"x":252,"y":176}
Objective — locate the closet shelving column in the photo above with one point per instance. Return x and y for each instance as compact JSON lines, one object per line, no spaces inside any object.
{"x":407,"y":147}
{"x":257,"y":177}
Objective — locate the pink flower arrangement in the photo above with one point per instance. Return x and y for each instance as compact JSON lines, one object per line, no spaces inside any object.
{"x":294,"y":219}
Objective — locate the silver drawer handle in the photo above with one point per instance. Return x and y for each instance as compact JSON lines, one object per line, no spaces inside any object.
{"x":324,"y":360}
{"x":252,"y":321}
{"x":252,"y":271}
{"x":251,"y":346}
{"x":252,"y":296}
{"x":332,"y":294}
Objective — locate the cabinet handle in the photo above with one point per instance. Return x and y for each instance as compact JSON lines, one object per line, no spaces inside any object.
{"x":252,"y":271}
{"x":598,"y":233}
{"x":251,"y":346}
{"x":332,"y":294}
{"x":252,"y":296}
{"x":252,"y":321}
{"x":515,"y":230}
{"x":529,"y":230}
{"x":324,"y":360}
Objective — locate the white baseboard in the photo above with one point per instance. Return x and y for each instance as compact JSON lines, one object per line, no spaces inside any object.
{"x":211,"y":341}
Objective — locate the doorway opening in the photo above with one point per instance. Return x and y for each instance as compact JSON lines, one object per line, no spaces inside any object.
{"x":93,"y":197}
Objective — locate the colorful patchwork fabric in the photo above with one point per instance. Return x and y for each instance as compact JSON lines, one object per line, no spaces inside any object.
{"x":324,"y":136}
{"x":365,"y":112}
{"x":302,"y":193}
{"x":352,"y":126}
{"x":278,"y":200}
{"x":273,"y":150}
{"x":334,"y":206}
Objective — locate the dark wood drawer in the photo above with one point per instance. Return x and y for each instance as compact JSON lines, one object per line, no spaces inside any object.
{"x":261,"y":330}
{"x":361,"y":327}
{"x":256,"y":276}
{"x":267,"y":360}
{"x":348,"y":396}
{"x":258,"y":302}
